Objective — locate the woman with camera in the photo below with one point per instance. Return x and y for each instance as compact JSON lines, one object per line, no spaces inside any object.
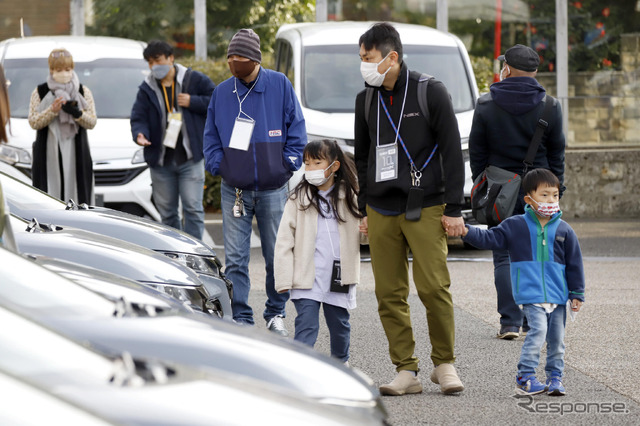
{"x":61,"y":110}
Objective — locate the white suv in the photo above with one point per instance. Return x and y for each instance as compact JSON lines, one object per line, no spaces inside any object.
{"x":322,"y":62}
{"x":112,"y":68}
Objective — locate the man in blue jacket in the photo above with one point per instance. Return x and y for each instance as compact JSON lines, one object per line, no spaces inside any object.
{"x":254,"y":138}
{"x":503,"y":125}
{"x":168,"y":120}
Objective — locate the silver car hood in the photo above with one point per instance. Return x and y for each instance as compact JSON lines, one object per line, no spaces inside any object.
{"x":113,"y":223}
{"x":102,"y":252}
{"x":229,"y":348}
{"x":112,"y":286}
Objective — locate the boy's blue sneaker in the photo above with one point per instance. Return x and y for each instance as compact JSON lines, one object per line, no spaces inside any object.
{"x":529,"y":385}
{"x":554,"y":386}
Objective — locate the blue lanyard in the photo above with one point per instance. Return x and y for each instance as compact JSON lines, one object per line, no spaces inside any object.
{"x":406,"y":151}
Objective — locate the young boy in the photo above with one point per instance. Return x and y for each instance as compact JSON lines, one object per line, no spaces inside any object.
{"x":546,"y":271}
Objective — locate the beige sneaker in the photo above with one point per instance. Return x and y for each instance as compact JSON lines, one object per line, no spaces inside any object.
{"x":445,"y":375}
{"x":404,"y":383}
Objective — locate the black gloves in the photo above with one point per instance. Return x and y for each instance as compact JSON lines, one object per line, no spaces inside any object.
{"x":71,"y":108}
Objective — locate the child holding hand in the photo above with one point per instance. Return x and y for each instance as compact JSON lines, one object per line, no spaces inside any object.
{"x":546,"y":271}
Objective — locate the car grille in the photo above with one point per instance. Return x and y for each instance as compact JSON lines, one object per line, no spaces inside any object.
{"x":116,"y":177}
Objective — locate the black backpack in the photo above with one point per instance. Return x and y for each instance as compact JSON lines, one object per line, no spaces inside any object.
{"x":423,"y":82}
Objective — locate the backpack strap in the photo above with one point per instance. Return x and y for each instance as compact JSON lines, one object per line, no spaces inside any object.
{"x":423,"y":82}
{"x":368,"y":99}
{"x":541,"y":127}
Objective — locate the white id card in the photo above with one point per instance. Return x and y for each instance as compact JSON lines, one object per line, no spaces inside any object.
{"x":241,"y":135}
{"x":173,"y":130}
{"x":386,"y":162}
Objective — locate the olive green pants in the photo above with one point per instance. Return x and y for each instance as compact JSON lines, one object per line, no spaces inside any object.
{"x":390,"y":239}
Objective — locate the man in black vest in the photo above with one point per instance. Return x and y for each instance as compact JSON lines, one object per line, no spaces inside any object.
{"x":503,"y":125}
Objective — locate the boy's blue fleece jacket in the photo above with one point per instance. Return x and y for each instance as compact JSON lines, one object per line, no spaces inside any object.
{"x":546,"y":263}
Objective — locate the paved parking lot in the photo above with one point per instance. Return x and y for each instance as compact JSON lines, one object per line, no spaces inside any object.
{"x":603,"y":344}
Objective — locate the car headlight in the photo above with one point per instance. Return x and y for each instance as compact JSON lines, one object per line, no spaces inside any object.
{"x":138,"y":157}
{"x":200,"y":264}
{"x":191,"y":297}
{"x":12,"y":155}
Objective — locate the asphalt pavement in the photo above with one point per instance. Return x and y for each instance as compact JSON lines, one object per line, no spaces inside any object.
{"x":602,"y":373}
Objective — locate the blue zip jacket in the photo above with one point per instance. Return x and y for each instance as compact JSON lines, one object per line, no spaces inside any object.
{"x":149,"y":114}
{"x":278,"y":138}
{"x":546,"y":263}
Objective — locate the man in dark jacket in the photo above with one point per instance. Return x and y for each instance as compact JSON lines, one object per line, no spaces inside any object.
{"x":411,"y":188}
{"x":168,"y":119}
{"x":503,"y":125}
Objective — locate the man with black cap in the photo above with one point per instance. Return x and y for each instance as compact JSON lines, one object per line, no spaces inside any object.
{"x":503,"y":125}
{"x":254,"y":137}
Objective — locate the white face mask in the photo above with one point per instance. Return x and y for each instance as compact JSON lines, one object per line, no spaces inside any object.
{"x":369,"y":71}
{"x":547,"y":209}
{"x":62,"y":77}
{"x":505,"y":68}
{"x":316,"y":177}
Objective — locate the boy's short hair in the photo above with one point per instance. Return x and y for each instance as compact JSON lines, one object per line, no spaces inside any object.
{"x":60,"y":58}
{"x":157,"y":48}
{"x":384,"y":37}
{"x":538,"y":177}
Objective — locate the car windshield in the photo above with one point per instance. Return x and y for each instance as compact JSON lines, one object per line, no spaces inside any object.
{"x":331,"y":75}
{"x":113,"y":83}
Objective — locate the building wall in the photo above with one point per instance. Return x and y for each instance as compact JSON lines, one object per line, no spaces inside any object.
{"x":41,"y":17}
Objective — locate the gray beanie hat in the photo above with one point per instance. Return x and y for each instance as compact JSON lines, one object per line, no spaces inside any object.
{"x":245,"y":43}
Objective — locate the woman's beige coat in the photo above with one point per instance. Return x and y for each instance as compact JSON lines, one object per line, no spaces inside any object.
{"x":296,"y":244}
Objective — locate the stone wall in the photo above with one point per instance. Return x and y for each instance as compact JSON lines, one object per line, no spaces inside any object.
{"x":602,"y":172}
{"x":602,"y":183}
{"x":604,"y":106}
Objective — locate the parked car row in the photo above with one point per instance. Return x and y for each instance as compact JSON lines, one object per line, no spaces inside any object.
{"x":119,"y":332}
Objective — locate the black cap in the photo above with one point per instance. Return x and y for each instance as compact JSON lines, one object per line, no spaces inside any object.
{"x":521,"y":57}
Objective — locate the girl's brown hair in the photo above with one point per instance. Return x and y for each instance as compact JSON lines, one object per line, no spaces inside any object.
{"x":345,"y":177}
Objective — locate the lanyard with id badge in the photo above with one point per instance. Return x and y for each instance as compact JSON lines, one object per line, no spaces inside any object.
{"x":416,"y":193}
{"x":243,"y":126}
{"x":174,"y":120}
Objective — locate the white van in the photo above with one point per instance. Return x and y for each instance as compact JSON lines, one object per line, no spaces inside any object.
{"x":322,"y":62}
{"x":112,"y":68}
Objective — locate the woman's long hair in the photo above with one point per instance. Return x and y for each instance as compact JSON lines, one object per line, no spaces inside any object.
{"x":345,"y":178}
{"x":4,"y":107}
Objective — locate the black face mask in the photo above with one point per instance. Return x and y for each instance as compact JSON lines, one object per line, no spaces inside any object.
{"x":241,"y":69}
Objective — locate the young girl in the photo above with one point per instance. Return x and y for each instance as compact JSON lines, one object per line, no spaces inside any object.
{"x":317,"y":254}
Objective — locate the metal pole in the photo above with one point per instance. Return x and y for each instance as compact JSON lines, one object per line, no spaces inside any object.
{"x":321,"y":11}
{"x":77,"y":17}
{"x":497,"y":41}
{"x":442,"y":16}
{"x":562,"y":61}
{"x":200,"y":17}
